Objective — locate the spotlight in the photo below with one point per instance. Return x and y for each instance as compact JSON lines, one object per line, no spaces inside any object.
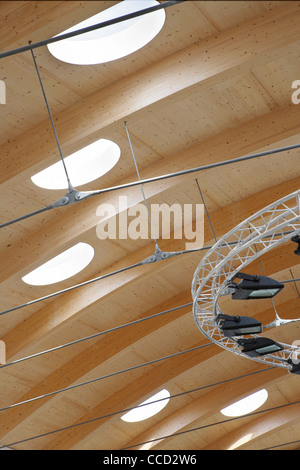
{"x":259,"y":346}
{"x":296,"y":239}
{"x":255,"y":287}
{"x":295,"y":367}
{"x":237,"y":326}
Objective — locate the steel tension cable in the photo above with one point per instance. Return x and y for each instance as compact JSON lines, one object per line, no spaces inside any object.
{"x":74,"y":196}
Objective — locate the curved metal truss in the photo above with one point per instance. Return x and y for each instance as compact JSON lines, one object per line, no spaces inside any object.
{"x":252,"y":238}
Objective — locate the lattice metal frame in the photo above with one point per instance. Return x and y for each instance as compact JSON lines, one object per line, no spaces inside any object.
{"x":266,"y":229}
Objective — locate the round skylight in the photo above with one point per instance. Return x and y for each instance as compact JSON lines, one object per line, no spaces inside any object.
{"x":63,"y":266}
{"x":246,"y":405}
{"x":83,"y":166}
{"x":144,"y":410}
{"x":112,"y":42}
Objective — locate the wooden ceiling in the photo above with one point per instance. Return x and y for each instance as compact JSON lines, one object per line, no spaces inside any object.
{"x":215,"y":84}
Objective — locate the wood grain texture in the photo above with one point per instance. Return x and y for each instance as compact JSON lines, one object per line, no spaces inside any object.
{"x":214,"y":85}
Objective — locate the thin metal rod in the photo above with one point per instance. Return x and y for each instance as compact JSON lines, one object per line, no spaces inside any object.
{"x":101,"y":333}
{"x":173,"y":175}
{"x":97,"y":379}
{"x":88,"y":29}
{"x":142,"y":189}
{"x":51,"y":119}
{"x":98,"y":418}
{"x":294,"y":281}
{"x":290,"y":280}
{"x":210,"y":223}
{"x":263,"y":271}
{"x":68,"y":289}
{"x":195,"y":170}
{"x":202,"y":198}
{"x":213,"y":424}
{"x":281,"y":445}
{"x":196,"y":250}
{"x":23,"y":217}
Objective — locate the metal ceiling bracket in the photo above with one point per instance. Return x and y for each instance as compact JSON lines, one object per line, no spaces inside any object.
{"x":159,"y":255}
{"x":71,"y":197}
{"x":279,"y":322}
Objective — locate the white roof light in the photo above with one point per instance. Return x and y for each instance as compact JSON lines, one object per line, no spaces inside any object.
{"x":241,"y":441}
{"x":63,"y":266}
{"x":112,"y":42}
{"x":246,"y":405}
{"x":144,"y":411}
{"x":83,"y":166}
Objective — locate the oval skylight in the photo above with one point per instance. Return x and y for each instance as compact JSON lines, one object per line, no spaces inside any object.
{"x":241,"y":442}
{"x":246,"y":405}
{"x":83,"y":166}
{"x":112,"y":42}
{"x":144,"y":410}
{"x":62,"y":267}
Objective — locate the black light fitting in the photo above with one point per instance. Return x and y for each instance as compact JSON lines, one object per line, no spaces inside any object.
{"x":255,"y":287}
{"x":296,"y":239}
{"x":237,"y":325}
{"x":259,"y":346}
{"x":295,"y":367}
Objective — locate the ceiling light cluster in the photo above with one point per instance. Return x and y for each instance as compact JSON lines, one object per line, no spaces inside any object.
{"x":235,"y":326}
{"x":216,"y":275}
{"x":251,"y":287}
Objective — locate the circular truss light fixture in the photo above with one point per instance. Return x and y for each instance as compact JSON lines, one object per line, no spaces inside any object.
{"x":111,"y":42}
{"x":268,"y":228}
{"x":85,"y":165}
